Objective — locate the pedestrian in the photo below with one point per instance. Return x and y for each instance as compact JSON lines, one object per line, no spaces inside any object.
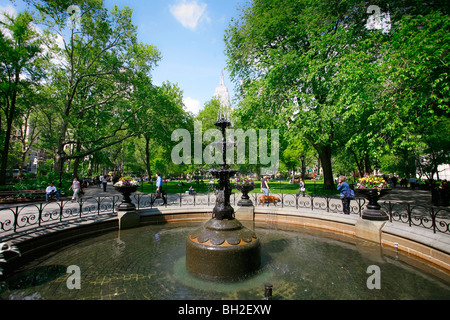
{"x":76,"y":187}
{"x":51,"y":191}
{"x":265,"y":186}
{"x":159,"y":190}
{"x":301,"y":188}
{"x":343,"y":187}
{"x":412,"y":183}
{"x":104,"y":182}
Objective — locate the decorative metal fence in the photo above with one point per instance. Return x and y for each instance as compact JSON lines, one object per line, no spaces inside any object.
{"x":19,"y":218}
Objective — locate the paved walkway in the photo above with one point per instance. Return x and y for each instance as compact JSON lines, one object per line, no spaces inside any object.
{"x":399,"y":194}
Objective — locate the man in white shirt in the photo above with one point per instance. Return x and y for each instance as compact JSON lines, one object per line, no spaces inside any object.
{"x":104,"y":182}
{"x":51,"y":191}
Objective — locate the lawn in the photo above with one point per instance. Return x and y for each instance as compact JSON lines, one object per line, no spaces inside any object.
{"x":312,"y":187}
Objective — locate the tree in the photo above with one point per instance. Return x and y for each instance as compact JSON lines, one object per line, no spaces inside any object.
{"x":317,"y":67}
{"x":417,"y":74}
{"x":287,"y":54}
{"x":162,"y":112}
{"x":20,"y":64}
{"x":98,"y":64}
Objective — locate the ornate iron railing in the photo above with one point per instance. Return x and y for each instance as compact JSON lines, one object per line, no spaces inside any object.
{"x":17,"y":218}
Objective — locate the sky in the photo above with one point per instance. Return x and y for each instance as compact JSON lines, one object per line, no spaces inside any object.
{"x":189,"y":34}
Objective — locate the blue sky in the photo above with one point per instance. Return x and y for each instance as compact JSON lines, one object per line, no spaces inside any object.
{"x":189,"y":35}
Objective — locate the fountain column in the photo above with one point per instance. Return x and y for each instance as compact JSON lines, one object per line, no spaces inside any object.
{"x":223,"y":249}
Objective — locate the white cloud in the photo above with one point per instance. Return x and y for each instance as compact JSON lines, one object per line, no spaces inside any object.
{"x":192,"y":105}
{"x":9,"y":9}
{"x":189,"y":13}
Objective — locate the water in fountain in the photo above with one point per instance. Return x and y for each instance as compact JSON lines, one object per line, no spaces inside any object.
{"x":148,"y":262}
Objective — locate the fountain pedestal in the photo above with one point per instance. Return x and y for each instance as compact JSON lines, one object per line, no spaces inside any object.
{"x":222,"y":250}
{"x":126,"y":212}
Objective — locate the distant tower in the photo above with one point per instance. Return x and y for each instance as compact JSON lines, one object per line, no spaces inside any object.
{"x":223,"y":96}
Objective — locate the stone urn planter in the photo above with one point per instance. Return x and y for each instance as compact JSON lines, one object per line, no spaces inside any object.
{"x":245,"y":199}
{"x":373,"y":211}
{"x":126,"y":192}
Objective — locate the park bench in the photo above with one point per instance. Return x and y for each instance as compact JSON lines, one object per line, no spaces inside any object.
{"x":15,"y":196}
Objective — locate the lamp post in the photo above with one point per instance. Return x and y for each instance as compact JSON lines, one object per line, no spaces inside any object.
{"x":302,"y":157}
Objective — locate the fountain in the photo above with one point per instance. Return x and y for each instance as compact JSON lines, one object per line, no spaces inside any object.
{"x":223,"y":249}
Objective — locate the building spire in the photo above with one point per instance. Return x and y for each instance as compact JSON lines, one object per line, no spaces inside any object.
{"x":222,"y":83}
{"x":221,"y":92}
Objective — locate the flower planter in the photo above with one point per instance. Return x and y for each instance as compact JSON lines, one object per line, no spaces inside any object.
{"x":373,"y":211}
{"x":245,"y":199}
{"x":126,"y":192}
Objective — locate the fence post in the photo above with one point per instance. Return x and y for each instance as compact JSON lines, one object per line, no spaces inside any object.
{"x":40,"y":214}
{"x":390,"y":211}
{"x":16,"y":217}
{"x":433,"y":219}
{"x":81,"y":206}
{"x":138,"y":200}
{"x":408,"y":210}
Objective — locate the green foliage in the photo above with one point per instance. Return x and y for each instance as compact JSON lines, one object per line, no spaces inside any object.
{"x":314,"y":67}
{"x":40,"y":182}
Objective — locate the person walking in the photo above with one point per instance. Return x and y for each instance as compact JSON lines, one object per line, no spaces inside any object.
{"x":76,"y":187}
{"x":265,"y":186}
{"x":343,"y":187}
{"x":104,"y":182}
{"x":159,"y":190}
{"x":412,"y":183}
{"x":301,"y":187}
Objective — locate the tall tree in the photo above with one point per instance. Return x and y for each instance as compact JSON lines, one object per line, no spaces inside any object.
{"x":20,"y":47}
{"x":287,"y":54}
{"x":98,"y":61}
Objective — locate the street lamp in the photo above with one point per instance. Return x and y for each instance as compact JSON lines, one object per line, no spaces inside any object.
{"x":302,"y":157}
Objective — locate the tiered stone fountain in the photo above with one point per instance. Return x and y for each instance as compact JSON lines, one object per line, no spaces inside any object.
{"x":223,"y":249}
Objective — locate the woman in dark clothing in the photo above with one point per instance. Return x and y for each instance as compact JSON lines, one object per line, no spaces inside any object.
{"x":343,"y":188}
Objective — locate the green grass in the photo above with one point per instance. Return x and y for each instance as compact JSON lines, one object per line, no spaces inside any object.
{"x":312,"y":187}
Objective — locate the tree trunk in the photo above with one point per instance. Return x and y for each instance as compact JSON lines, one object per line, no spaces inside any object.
{"x":367,"y":165}
{"x":325,"y":159}
{"x":147,"y":157}
{"x":9,"y":121}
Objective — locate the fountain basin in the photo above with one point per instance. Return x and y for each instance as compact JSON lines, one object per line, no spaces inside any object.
{"x":149,"y":263}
